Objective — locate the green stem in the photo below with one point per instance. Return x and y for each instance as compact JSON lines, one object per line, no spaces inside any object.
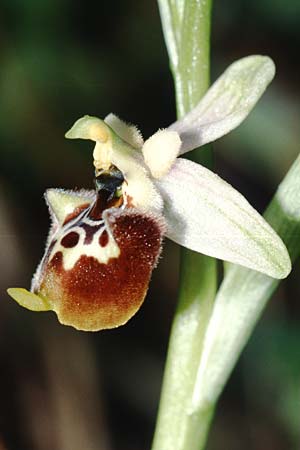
{"x":177,"y":428}
{"x":192,"y":74}
{"x":186,"y":27}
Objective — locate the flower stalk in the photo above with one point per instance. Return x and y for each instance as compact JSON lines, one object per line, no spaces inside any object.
{"x":186,"y":28}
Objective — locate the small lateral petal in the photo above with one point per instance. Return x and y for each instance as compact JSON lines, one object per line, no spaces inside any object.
{"x":206,"y":214}
{"x":160,"y":151}
{"x":227,"y":103}
{"x":129,"y":133}
{"x":29,"y":300}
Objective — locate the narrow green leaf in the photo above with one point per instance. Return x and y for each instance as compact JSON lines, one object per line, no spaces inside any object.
{"x":171,"y":13}
{"x":243,"y":296}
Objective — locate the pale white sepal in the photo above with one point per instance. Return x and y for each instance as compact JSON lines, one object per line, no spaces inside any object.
{"x":227,"y":103}
{"x":206,"y":214}
{"x":63,"y":202}
{"x":160,"y":151}
{"x":129,"y":133}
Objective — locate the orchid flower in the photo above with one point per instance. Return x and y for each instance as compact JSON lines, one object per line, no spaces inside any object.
{"x":104,"y":244}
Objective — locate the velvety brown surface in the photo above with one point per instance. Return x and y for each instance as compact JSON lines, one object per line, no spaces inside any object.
{"x":94,"y":296}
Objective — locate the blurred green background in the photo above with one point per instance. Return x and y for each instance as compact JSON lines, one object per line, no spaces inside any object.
{"x":61,"y":389}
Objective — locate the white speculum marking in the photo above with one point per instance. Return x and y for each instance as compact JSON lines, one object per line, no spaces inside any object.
{"x":92,"y":249}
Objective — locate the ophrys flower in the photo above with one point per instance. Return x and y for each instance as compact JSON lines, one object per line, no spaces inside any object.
{"x":104,"y":244}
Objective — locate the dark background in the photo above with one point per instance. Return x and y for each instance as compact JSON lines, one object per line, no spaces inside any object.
{"x":66,"y":390}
